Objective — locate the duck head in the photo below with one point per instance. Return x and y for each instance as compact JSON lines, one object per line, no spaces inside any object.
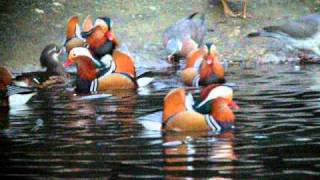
{"x":213,"y":91}
{"x":211,"y":70}
{"x":173,"y":47}
{"x":105,"y":22}
{"x":49,"y":59}
{"x":218,"y":101}
{"x":82,"y":57}
{"x":98,"y":32}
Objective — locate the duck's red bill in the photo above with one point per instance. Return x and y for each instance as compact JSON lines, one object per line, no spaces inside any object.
{"x":233,"y":105}
{"x":109,"y":36}
{"x":67,"y":63}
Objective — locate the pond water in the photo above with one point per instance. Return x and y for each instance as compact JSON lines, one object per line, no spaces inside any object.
{"x":61,"y":135}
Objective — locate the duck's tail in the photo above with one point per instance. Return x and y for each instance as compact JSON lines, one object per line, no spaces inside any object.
{"x":145,"y":79}
{"x":254,"y":34}
{"x":192,"y":15}
{"x":269,"y":31}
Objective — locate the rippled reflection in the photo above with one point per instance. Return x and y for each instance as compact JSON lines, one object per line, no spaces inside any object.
{"x":117,"y":134}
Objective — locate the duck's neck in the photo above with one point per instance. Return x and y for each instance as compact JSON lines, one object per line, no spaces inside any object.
{"x":54,"y":67}
{"x":221,"y":112}
{"x":86,"y":68}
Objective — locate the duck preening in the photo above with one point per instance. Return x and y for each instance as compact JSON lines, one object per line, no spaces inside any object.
{"x":212,"y":113}
{"x":184,"y":36}
{"x":120,"y":74}
{"x":10,"y":94}
{"x":301,"y":34}
{"x":203,"y":67}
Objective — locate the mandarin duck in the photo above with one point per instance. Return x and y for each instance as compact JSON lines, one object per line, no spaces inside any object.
{"x":121,"y":73}
{"x":184,"y":36}
{"x":54,"y":73}
{"x":203,"y":67}
{"x":301,"y":34}
{"x":10,"y":94}
{"x":212,"y":113}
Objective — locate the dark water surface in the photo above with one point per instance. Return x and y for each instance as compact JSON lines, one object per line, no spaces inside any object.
{"x":277,"y":132}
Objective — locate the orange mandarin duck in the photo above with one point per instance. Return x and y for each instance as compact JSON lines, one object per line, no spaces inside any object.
{"x":10,"y":94}
{"x":73,"y":34}
{"x":203,"y":67}
{"x":213,"y":113}
{"x":99,"y":36}
{"x":184,"y":36}
{"x":120,"y":74}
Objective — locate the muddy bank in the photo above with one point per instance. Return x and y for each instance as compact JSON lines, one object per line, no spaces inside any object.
{"x":27,"y":26}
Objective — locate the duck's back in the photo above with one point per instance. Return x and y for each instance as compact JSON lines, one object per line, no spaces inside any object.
{"x":187,"y":28}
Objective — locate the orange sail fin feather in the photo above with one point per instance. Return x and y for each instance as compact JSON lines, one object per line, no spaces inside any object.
{"x":87,"y":24}
{"x":173,"y":103}
{"x":124,"y":63}
{"x":71,"y":27}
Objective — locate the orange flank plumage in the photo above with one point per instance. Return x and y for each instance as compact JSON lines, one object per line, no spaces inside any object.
{"x":71,"y":27}
{"x":187,"y":121}
{"x":124,"y":63}
{"x":193,"y":57}
{"x":188,"y":75}
{"x":115,"y":81}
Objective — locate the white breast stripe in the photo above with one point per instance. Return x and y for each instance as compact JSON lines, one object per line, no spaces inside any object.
{"x":213,"y":123}
{"x":94,"y":85}
{"x":195,"y":81}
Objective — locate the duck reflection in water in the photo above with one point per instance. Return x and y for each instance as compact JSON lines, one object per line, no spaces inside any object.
{"x":180,"y":150}
{"x":4,"y":118}
{"x":107,"y":106}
